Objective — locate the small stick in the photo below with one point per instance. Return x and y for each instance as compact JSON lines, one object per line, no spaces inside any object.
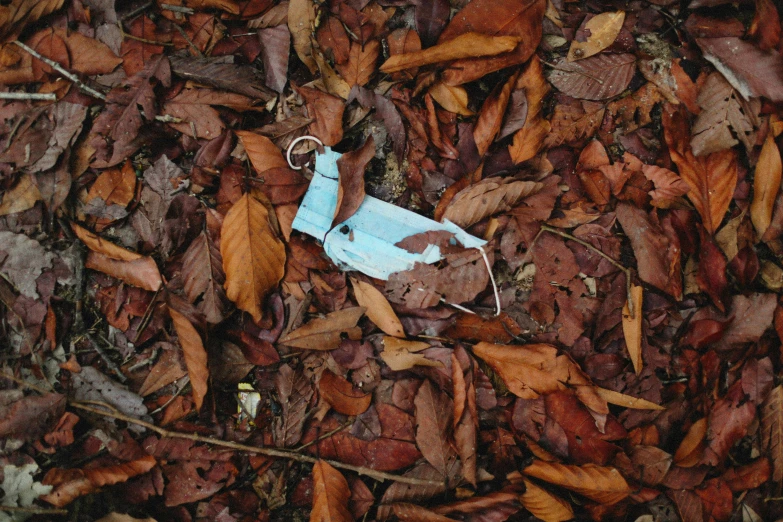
{"x":626,"y":271}
{"x":190,"y":42}
{"x":59,"y":68}
{"x":271,"y":452}
{"x":32,"y":510}
{"x":45,"y":96}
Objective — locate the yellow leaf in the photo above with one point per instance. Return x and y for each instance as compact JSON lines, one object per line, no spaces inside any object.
{"x":604,"y":29}
{"x":603,"y":484}
{"x":330,"y":495}
{"x":766,"y":185}
{"x":325,"y":333}
{"x":378,"y":308}
{"x":632,"y":328}
{"x":253,"y":256}
{"x":453,"y":99}
{"x":545,"y":505}
{"x":399,"y":354}
{"x":620,"y":399}
{"x":22,"y":197}
{"x":468,"y":45}
{"x":195,"y":355}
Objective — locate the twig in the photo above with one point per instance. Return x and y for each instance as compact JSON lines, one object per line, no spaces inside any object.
{"x":271,"y":452}
{"x":32,"y":510}
{"x":177,"y":9}
{"x":627,"y":271}
{"x":105,"y":357}
{"x":45,"y":96}
{"x":59,"y":68}
{"x":187,"y":39}
{"x":126,"y":34}
{"x":326,"y":435}
{"x":137,"y":11}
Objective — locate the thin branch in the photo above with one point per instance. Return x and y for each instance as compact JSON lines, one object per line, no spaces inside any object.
{"x":270,"y":452}
{"x":32,"y":510}
{"x":44,"y":96}
{"x":627,"y":271}
{"x":59,"y":68}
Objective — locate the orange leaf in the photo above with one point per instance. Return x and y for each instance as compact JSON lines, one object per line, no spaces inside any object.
{"x":691,"y":449}
{"x":115,"y":186}
{"x":711,"y":178}
{"x":325,"y":333}
{"x":604,"y":29}
{"x":468,"y":45}
{"x":261,"y":152}
{"x":101,"y":246}
{"x":195,"y":355}
{"x":399,"y":354}
{"x":301,"y":22}
{"x":141,"y":272}
{"x":341,"y":394}
{"x":626,"y":401}
{"x":491,"y":115}
{"x":378,"y":308}
{"x":632,"y":328}
{"x":253,"y":256}
{"x":766,"y":185}
{"x":602,"y":484}
{"x":361,"y":63}
{"x":530,"y":138}
{"x":88,"y":55}
{"x":14,"y":16}
{"x":72,"y":483}
{"x":330,"y":495}
{"x":23,"y":196}
{"x":545,"y":505}
{"x":453,"y":99}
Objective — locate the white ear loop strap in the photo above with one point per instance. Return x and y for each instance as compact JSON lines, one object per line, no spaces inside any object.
{"x":291,"y":147}
{"x":494,"y":288}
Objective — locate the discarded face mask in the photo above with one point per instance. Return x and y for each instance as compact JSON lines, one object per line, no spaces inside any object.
{"x":366,"y":242}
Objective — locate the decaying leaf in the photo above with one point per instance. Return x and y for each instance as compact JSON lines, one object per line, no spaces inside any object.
{"x":596,"y":78}
{"x":433,"y":427}
{"x":195,"y":355}
{"x":350,"y":193}
{"x":603,"y":28}
{"x":487,"y":197}
{"x":325,"y":333}
{"x":330,"y":495}
{"x":379,"y":311}
{"x":253,"y":256}
{"x":766,"y":185}
{"x":400,"y":355}
{"x":342,"y":396}
{"x":601,"y":484}
{"x":632,"y":327}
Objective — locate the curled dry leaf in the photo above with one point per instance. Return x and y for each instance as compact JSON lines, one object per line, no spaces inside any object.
{"x":487,"y":197}
{"x":531,"y":137}
{"x":632,"y":328}
{"x":253,"y":256}
{"x":490,"y":117}
{"x":604,"y":29}
{"x":468,"y":45}
{"x":400,"y":355}
{"x":195,"y":355}
{"x":341,"y":394}
{"x":378,"y":308}
{"x":766,"y":185}
{"x":325,"y":333}
{"x":330,"y":495}
{"x":451,"y":98}
{"x":545,"y":505}
{"x":596,"y":78}
{"x":601,"y":484}
{"x":626,"y":401}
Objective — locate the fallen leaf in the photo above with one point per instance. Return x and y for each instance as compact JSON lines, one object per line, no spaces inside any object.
{"x":573,"y":121}
{"x":490,"y":116}
{"x":325,"y":333}
{"x":626,"y":401}
{"x":195,"y":355}
{"x":253,"y":256}
{"x":23,"y":196}
{"x":327,"y":112}
{"x":487,"y":197}
{"x":16,"y":15}
{"x":601,"y":484}
{"x":468,"y":45}
{"x":360,"y":66}
{"x":632,"y":328}
{"x":261,"y":151}
{"x":772,"y":430}
{"x":88,"y":55}
{"x":350,"y":192}
{"x":202,"y":269}
{"x":341,"y":395}
{"x":596,"y":78}
{"x":604,"y":29}
{"x":431,"y":19}
{"x":545,"y":505}
{"x":433,"y":413}
{"x":453,"y":99}
{"x":301,"y":23}
{"x":215,"y":72}
{"x":198,"y":118}
{"x":531,"y":137}
{"x":379,"y":311}
{"x":766,"y":185}
{"x":401,"y":355}
{"x":330,"y":495}
{"x":275,"y":42}
{"x":668,"y":185}
{"x":294,"y":391}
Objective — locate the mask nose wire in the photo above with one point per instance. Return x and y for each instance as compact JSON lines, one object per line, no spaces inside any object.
{"x":293,"y":144}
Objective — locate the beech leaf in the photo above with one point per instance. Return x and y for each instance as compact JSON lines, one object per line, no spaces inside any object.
{"x":341,"y":395}
{"x":433,"y":427}
{"x":604,"y":29}
{"x":545,"y":505}
{"x":632,"y":328}
{"x":601,"y":484}
{"x":400,"y":355}
{"x":253,"y":256}
{"x":350,"y":192}
{"x":325,"y":333}
{"x":596,"y":78}
{"x":487,"y":197}
{"x":330,"y":495}
{"x":378,"y":308}
{"x":766,"y":185}
{"x":301,"y":23}
{"x":195,"y":355}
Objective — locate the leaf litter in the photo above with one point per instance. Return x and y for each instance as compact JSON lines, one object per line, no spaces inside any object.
{"x":546,"y":283}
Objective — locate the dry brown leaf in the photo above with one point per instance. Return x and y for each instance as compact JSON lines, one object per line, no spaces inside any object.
{"x":88,"y":55}
{"x":766,"y":185}
{"x":468,"y":45}
{"x":70,"y":484}
{"x":691,"y":449}
{"x":453,"y":99}
{"x":330,"y":495}
{"x":711,"y":178}
{"x":195,"y":355}
{"x":604,"y":29}
{"x":772,"y":430}
{"x":545,"y":505}
{"x":530,"y":138}
{"x":325,"y":333}
{"x":490,"y":116}
{"x":378,"y":308}
{"x":253,"y":256}
{"x":341,"y":394}
{"x":487,"y":197}
{"x":100,"y":245}
{"x":261,"y":151}
{"x":400,"y":355}
{"x":433,"y":413}
{"x":596,"y":78}
{"x":350,"y":190}
{"x":360,"y":65}
{"x":632,"y":328}
{"x":301,"y":23}
{"x":602,"y":484}
{"x":23,"y":196}
{"x":141,"y":272}
{"x":626,"y":401}
{"x":15,"y":15}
